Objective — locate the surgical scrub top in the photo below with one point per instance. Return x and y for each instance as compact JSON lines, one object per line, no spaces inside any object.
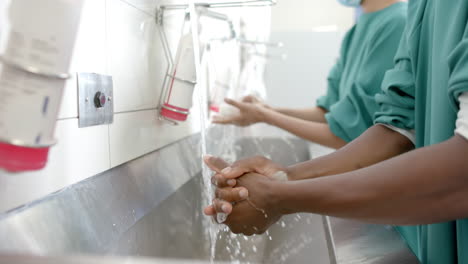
{"x":367,"y":52}
{"x":421,"y":93}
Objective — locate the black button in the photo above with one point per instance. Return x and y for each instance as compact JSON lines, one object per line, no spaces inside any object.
{"x":100,"y":100}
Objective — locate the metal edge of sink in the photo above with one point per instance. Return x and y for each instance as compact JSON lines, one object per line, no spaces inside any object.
{"x":358,"y":242}
{"x":130,"y":192}
{"x":24,"y":259}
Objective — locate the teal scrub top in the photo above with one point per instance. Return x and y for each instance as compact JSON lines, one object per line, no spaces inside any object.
{"x":421,"y":93}
{"x":367,"y":52}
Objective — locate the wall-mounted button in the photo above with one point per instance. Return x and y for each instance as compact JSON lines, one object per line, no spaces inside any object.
{"x":100,"y":100}
{"x":95,"y":99}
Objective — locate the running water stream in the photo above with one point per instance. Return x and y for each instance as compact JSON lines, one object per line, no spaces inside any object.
{"x":208,"y":193}
{"x":221,"y":141}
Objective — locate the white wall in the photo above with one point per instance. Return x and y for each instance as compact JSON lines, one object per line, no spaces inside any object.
{"x":310,"y":15}
{"x":312,"y":31}
{"x":301,"y":78}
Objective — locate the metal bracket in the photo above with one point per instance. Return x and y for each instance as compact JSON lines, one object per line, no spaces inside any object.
{"x":169,"y":58}
{"x":95,"y":99}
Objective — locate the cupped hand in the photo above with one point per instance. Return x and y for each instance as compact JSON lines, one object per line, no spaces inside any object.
{"x":225,"y":188}
{"x":258,"y":212}
{"x":257,"y":164}
{"x":225,"y":178}
{"x":250,"y":112}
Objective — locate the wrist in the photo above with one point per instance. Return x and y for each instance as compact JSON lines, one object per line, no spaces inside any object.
{"x":290,"y":172}
{"x":265,"y":114}
{"x":278,"y":197}
{"x":300,"y":172}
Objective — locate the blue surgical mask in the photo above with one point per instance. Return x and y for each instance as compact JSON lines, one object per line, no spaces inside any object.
{"x":350,"y":3}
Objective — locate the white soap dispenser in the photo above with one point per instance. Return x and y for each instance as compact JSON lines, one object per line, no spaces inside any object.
{"x":36,"y":46}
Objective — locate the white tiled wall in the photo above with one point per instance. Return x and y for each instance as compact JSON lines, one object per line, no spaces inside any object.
{"x":133,"y":58}
{"x":118,"y":38}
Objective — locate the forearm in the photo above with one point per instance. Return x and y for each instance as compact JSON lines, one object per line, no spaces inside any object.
{"x":378,"y":143}
{"x":313,"y":131}
{"x":425,"y":186}
{"x":316,"y":114}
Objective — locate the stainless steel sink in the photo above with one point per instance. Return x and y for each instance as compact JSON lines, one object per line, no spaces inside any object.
{"x":152,"y":207}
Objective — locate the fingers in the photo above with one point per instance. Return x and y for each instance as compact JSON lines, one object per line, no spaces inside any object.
{"x":209,"y":210}
{"x":217,"y":165}
{"x":222,"y":182}
{"x":214,"y":163}
{"x":242,"y":167}
{"x":257,"y":164}
{"x":232,"y":194}
{"x":249,"y":99}
{"x":223,"y":120}
{"x":220,"y":217}
{"x":225,"y":198}
{"x":235,"y":172}
{"x":234,"y":103}
{"x":221,"y":206}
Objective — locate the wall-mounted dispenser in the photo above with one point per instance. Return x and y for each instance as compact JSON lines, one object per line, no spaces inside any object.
{"x":223,"y":69}
{"x":181,"y":75}
{"x":182,"y":81}
{"x":36,"y":46}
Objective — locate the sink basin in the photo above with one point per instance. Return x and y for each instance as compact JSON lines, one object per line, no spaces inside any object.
{"x":152,"y":207}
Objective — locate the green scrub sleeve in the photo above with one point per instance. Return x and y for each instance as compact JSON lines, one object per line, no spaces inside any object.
{"x":332,"y":96}
{"x":397,"y":99}
{"x":334,"y":77}
{"x":458,"y":68}
{"x":354,"y":113}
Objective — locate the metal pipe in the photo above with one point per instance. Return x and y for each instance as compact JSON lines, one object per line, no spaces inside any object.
{"x":250,"y":3}
{"x":219,"y":16}
{"x":261,"y":43}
